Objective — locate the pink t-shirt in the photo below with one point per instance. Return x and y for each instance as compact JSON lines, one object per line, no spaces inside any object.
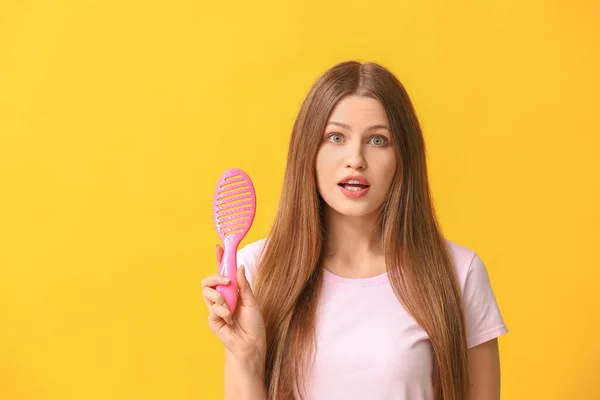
{"x":369,"y":347}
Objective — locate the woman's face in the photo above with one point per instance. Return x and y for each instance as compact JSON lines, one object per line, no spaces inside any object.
{"x":357,"y":141}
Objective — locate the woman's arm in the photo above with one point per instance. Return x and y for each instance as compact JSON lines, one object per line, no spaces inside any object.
{"x":484,"y":371}
{"x":244,"y":380}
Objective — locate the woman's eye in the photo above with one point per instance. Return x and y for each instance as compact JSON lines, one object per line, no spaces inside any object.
{"x":333,"y":135}
{"x":381,"y":140}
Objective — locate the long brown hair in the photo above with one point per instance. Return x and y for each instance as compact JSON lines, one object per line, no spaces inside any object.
{"x":418,"y":261}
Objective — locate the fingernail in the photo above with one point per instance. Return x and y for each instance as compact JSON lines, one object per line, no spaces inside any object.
{"x":226,"y":280}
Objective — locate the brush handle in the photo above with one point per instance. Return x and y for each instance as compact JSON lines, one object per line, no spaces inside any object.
{"x":229,"y":269}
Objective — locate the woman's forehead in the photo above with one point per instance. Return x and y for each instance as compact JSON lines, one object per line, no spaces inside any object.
{"x":358,"y":112}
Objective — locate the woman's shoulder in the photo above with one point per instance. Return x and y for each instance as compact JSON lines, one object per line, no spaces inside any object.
{"x":464,"y":260}
{"x":248,"y":255}
{"x":253,"y":248}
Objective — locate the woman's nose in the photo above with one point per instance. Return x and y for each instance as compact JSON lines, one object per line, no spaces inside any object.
{"x":355,"y":158}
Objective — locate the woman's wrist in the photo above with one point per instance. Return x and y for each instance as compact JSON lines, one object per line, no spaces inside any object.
{"x":251,"y":359}
{"x":250,"y":375}
{"x":252,"y":365}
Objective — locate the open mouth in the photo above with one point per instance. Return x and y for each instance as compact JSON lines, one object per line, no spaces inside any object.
{"x":353,"y":186}
{"x":354,"y":191}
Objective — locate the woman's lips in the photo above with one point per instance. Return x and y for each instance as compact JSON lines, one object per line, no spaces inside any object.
{"x":354,"y":194}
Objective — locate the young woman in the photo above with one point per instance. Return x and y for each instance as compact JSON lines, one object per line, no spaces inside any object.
{"x":355,"y":293}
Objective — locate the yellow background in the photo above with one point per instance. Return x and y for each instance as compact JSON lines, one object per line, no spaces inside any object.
{"x":118,"y":117}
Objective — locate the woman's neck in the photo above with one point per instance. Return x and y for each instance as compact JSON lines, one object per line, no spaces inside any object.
{"x":353,"y":242}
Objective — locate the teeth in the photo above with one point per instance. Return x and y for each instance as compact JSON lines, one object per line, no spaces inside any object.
{"x":354,"y":181}
{"x":353,"y":188}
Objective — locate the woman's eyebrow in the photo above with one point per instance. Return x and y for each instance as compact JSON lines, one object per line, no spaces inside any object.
{"x":346,"y":126}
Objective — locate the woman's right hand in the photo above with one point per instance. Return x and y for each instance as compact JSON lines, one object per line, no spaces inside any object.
{"x":243,"y":332}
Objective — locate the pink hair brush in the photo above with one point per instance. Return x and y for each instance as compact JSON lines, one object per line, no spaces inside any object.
{"x":234,"y":207}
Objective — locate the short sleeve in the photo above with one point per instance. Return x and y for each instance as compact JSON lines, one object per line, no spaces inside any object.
{"x":482,"y":315}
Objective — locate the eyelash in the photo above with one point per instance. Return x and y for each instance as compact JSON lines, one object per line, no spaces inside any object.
{"x":379,"y":136}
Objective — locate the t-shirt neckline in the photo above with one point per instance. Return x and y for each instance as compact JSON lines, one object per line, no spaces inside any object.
{"x":370,"y":281}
